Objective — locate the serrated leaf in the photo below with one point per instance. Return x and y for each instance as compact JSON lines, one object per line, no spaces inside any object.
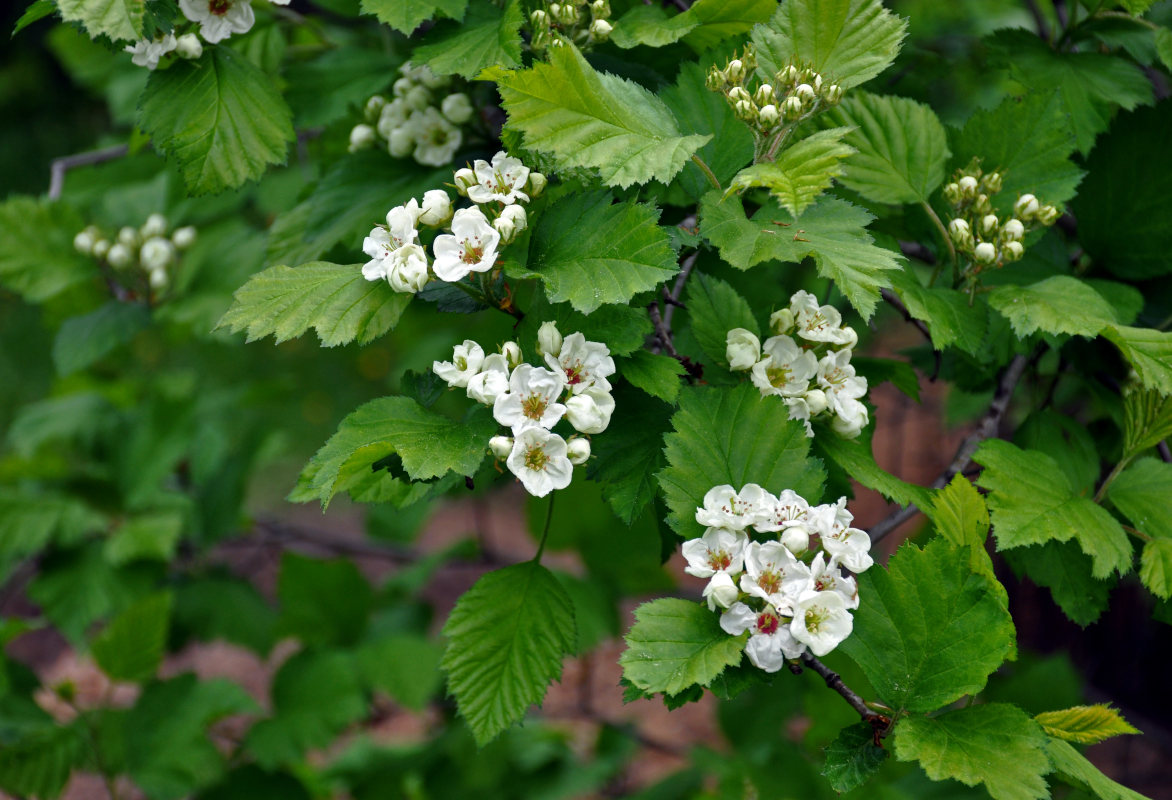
{"x":1147,"y":419}
{"x":31,"y":520}
{"x":950,"y":317}
{"x":847,"y":41}
{"x":714,"y":309}
{"x":1142,"y":492}
{"x":131,"y":647}
{"x":1059,"y":305}
{"x":959,"y":513}
{"x":997,"y":745}
{"x":657,"y":375}
{"x":930,"y":630}
{"x":37,"y":257}
{"x":429,"y":444}
{"x":1149,"y":352}
{"x":1164,"y":47}
{"x":629,"y":453}
{"x":404,"y":665}
{"x":732,"y":436}
{"x":1073,"y":768}
{"x":800,"y":173}
{"x":407,"y":15}
{"x":40,"y":763}
{"x":506,"y":638}
{"x":1065,"y":440}
{"x":117,"y":19}
{"x":901,"y":147}
{"x":37,"y":10}
{"x":151,"y":536}
{"x":1084,"y":724}
{"x":1155,"y":567}
{"x":220,"y":119}
{"x":487,"y":37}
{"x":832,"y":232}
{"x":705,"y":24}
{"x":589,"y":251}
{"x":323,"y":602}
{"x":84,"y":339}
{"x":852,"y":758}
{"x":1031,"y":502}
{"x":624,"y":328}
{"x":333,"y":299}
{"x":855,"y":457}
{"x":1064,"y":569}
{"x":588,"y":119}
{"x":675,"y":644}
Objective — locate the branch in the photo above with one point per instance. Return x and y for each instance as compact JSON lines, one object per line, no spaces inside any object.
{"x":60,"y":166}
{"x":1039,"y":20}
{"x":893,"y":300}
{"x":672,"y":298}
{"x":835,"y":682}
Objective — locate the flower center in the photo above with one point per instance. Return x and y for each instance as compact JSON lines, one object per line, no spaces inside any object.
{"x":533,"y":406}
{"x":473,"y":252}
{"x":219,"y":7}
{"x":461,"y":363}
{"x":719,"y":559}
{"x":770,"y":581}
{"x":575,"y":374}
{"x":768,"y":623}
{"x":535,"y":458}
{"x":815,"y":617}
{"x":778,"y":376}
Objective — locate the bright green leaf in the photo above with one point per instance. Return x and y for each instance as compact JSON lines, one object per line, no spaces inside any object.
{"x":489,"y":36}
{"x":951,"y":319}
{"x":1147,"y":419}
{"x":37,"y":257}
{"x":852,"y":758}
{"x":629,"y":453}
{"x":404,"y":665}
{"x":40,"y":763}
{"x":1084,"y":724}
{"x":131,"y":647}
{"x":407,"y":15}
{"x":1149,"y":351}
{"x":1072,"y":767}
{"x":118,"y":19}
{"x":1142,"y":492}
{"x":960,"y":515}
{"x":1155,"y":567}
{"x":31,"y":520}
{"x":715,"y":308}
{"x":800,"y":173}
{"x":152,"y":536}
{"x":704,"y":25}
{"x":1058,"y":305}
{"x":675,"y":644}
{"x":658,"y":375}
{"x":37,"y":10}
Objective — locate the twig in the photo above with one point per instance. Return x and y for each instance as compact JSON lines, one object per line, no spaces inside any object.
{"x":835,"y":682}
{"x":1039,"y":20}
{"x":60,"y":166}
{"x":918,"y":251}
{"x":662,"y":332}
{"x":893,"y":300}
{"x":1165,"y":453}
{"x":672,"y":298}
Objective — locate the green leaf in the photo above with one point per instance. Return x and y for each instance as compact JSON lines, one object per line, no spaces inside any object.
{"x":37,"y":10}
{"x":1029,"y":141}
{"x":1064,"y":569}
{"x":1141,"y":492}
{"x":847,"y":41}
{"x":488,"y":36}
{"x":589,"y":251}
{"x":929,"y":630}
{"x":40,"y":763}
{"x":958,"y":511}
{"x":997,"y":745}
{"x":221,"y":119}
{"x":85,"y":339}
{"x":715,"y":308}
{"x":221,"y":607}
{"x":1084,"y":724}
{"x":1147,"y":418}
{"x":1149,"y":351}
{"x":151,"y":536}
{"x":131,"y":647}
{"x":855,"y":457}
{"x":430,"y":445}
{"x":1155,"y":567}
{"x":1031,"y":502}
{"x":584,"y":118}
{"x":657,"y":375}
{"x":852,"y":758}
{"x":37,"y":257}
{"x":704,"y":25}
{"x":1060,"y":304}
{"x":1065,"y":440}
{"x":1089,"y":84}
{"x":832,"y":232}
{"x":675,"y":644}
{"x":629,"y":453}
{"x":407,"y":15}
{"x":897,"y":372}
{"x":1164,"y":47}
{"x":323,"y":602}
{"x":1072,"y":767}
{"x":405,"y":666}
{"x":901,"y":147}
{"x":623,"y":328}
{"x":951,"y":319}
{"x":506,"y":638}
{"x":732,"y":436}
{"x":118,"y":19}
{"x":32,"y":520}
{"x":801,"y":172}
{"x":333,"y":299}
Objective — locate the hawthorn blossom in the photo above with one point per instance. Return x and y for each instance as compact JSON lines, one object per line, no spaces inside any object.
{"x":718,"y":550}
{"x":771,"y":642}
{"x":436,"y":139}
{"x":470,"y":247}
{"x":774,"y":574}
{"x":502,"y":181}
{"x":467,"y":359}
{"x":720,"y":592}
{"x":786,"y":369}
{"x":818,"y":323}
{"x":837,"y":377}
{"x":492,"y":380}
{"x":590,"y":412}
{"x":851,"y":418}
{"x":787,"y":510}
{"x":821,"y":621}
{"x":742,"y":349}
{"x":724,"y":507}
{"x":539,"y":459}
{"x":147,"y":52}
{"x":826,"y":577}
{"x":532,"y":399}
{"x":219,"y":19}
{"x":585,"y":364}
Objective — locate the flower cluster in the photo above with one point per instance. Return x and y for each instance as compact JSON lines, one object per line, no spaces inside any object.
{"x":979,"y":235}
{"x":796,"y":94}
{"x":785,"y":595}
{"x":578,"y":21}
{"x":149,"y":248}
{"x":812,"y":373}
{"x":217,"y":20}
{"x":422,"y":119}
{"x":530,"y":401}
{"x":498,"y":189}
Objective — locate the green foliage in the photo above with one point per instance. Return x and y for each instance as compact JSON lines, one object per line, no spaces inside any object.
{"x":657,"y":375}
{"x":675,"y":644}
{"x":1149,"y":351}
{"x":584,"y":118}
{"x":220,"y":119}
{"x":734,"y":437}
{"x":1064,"y":569}
{"x":1155,"y":569}
{"x":588,"y":251}
{"x":932,"y":630}
{"x":715,"y":309}
{"x":1058,"y":305}
{"x":952,"y":319}
{"x":37,"y":259}
{"x":1141,"y":492}
{"x":87,"y":338}
{"x":131,"y":647}
{"x":323,"y":602}
{"x":506,"y":638}
{"x":854,"y":456}
{"x":39,"y":765}
{"x":407,"y":15}
{"x":405,"y":666}
{"x":852,"y":758}
{"x":1084,"y":724}
{"x":490,"y":36}
{"x":1073,"y":768}
{"x":705,"y":24}
{"x":117,"y":19}
{"x":629,"y":453}
{"x":153,"y":536}
{"x":801,"y":172}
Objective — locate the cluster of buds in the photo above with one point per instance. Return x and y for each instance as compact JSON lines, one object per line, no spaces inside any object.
{"x":977,"y":232}
{"x":149,"y":248}
{"x":796,"y":93}
{"x":579,"y":21}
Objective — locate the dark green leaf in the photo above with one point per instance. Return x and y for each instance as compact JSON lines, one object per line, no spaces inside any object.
{"x":852,"y":758}
{"x":489,"y":36}
{"x":131,"y":647}
{"x":323,"y":602}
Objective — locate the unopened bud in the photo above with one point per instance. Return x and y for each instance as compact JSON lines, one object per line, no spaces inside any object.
{"x":568,"y":14}
{"x":1026,"y":207}
{"x":128,"y":236}
{"x":745,"y":110}
{"x":155,"y":225}
{"x":402,"y":86}
{"x":989,"y":225}
{"x":1012,"y":251}
{"x":374,"y":107}
{"x":549,"y":339}
{"x":436,"y":208}
{"x":764,"y":95}
{"x":805,"y":92}
{"x":1012,"y":231}
{"x":361,"y":137}
{"x":737,"y":94}
{"x":833,"y":94}
{"x":578,"y":450}
{"x":600,"y":9}
{"x":512,"y":353}
{"x":506,"y":229}
{"x":1048,"y":215}
{"x":982,"y":206}
{"x":156,"y":253}
{"x":952,"y":193}
{"x":768,"y":116}
{"x":457,"y":108}
{"x":788,"y":75}
{"x":796,"y":540}
{"x":119,"y":255}
{"x":985,"y":253}
{"x":401,"y":142}
{"x":781,"y":321}
{"x":716,"y":79}
{"x":817,"y":401}
{"x":961,"y":235}
{"x":735,"y":70}
{"x":184,"y":237}
{"x":535,"y":185}
{"x":515,"y":214}
{"x":418,"y":98}
{"x":817,"y":82}
{"x":101,"y":248}
{"x":189,"y":46}
{"x":84,"y":242}
{"x":500,"y":446}
{"x":158,"y":278}
{"x":464,"y":178}
{"x":792,"y":108}
{"x":968,"y":187}
{"x":539,"y":19}
{"x":600,"y":31}
{"x":991,"y":182}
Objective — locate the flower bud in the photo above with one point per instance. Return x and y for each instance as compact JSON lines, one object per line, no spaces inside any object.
{"x":101,"y":248}
{"x":735,"y":70}
{"x":982,"y":206}
{"x":952,"y":193}
{"x":792,"y":108}
{"x":742,"y":349}
{"x":374,"y":107}
{"x":464,"y":178}
{"x":361,"y":137}
{"x":539,"y":19}
{"x":129,"y":237}
{"x":745,"y":110}
{"x":737,"y":94}
{"x":958,"y":229}
{"x":84,"y":242}
{"x":985,"y":253}
{"x":184,"y":237}
{"x":437,"y":208}
{"x":119,"y":255}
{"x":157,"y":278}
{"x":816,"y":401}
{"x":1048,"y":215}
{"x":535,"y":185}
{"x":590,"y":411}
{"x":1026,"y":207}
{"x":989,"y":225}
{"x":156,"y":253}
{"x":500,"y":446}
{"x":512,"y":353}
{"x":716,"y":79}
{"x":600,"y":9}
{"x":600,"y":30}
{"x":1012,"y":251}
{"x":720,"y":592}
{"x":781,"y":321}
{"x":805,"y":93}
{"x":796,"y":540}
{"x":1012,"y":231}
{"x":567,"y":13}
{"x":817,"y":83}
{"x":991,"y":182}
{"x":457,"y":108}
{"x":189,"y":46}
{"x":506,"y":229}
{"x":578,"y":450}
{"x":155,"y":225}
{"x":852,"y":338}
{"x":768,"y":116}
{"x":788,"y":75}
{"x":402,"y":86}
{"x":764,"y":95}
{"x":968,"y":187}
{"x":401,"y":142}
{"x":418,"y":98}
{"x":833,"y":94}
{"x":515,"y":214}
{"x":549,"y":339}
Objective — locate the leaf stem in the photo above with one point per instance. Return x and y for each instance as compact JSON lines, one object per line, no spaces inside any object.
{"x":1111,"y":476}
{"x":931,"y":212}
{"x":707,"y":171}
{"x":545,"y":530}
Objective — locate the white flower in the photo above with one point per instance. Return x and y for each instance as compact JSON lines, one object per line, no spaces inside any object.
{"x":189,"y":46}
{"x":219,"y":19}
{"x":407,"y":269}
{"x":437,"y":208}
{"x":721,"y":591}
{"x":511,"y":222}
{"x":184,"y":237}
{"x":532,"y":399}
{"x":457,"y":108}
{"x":787,"y":510}
{"x":393,"y":115}
{"x":821,"y":621}
{"x":985,"y":253}
{"x":539,"y":460}
{"x":549,"y":340}
{"x":590,"y":412}
{"x":771,"y":643}
{"x":492,"y":380}
{"x":796,"y":540}
{"x":578,"y":450}
{"x":774,"y":574}
{"x":155,"y":225}
{"x":837,"y":377}
{"x":418,"y":98}
{"x":361,"y":137}
{"x":502,"y":181}
{"x":437,"y":140}
{"x":147,"y":52}
{"x":826,"y":577}
{"x":819,"y":323}
{"x":742,"y":349}
{"x":586,"y":364}
{"x":383,"y":243}
{"x":466,"y":361}
{"x":471,"y":246}
{"x":786,"y":368}
{"x":724,"y":507}
{"x":401,"y":142}
{"x":799,"y":409}
{"x":718,"y":550}
{"x":781,"y":321}
{"x":850,"y":418}
{"x":849,"y":547}
{"x":156,"y":253}
{"x":816,"y":402}
{"x":512,"y":353}
{"x":500,"y":446}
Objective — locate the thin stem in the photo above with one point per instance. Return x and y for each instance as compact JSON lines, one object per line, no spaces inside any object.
{"x":931,"y":212}
{"x":60,"y":166}
{"x":835,"y":682}
{"x":708,"y":172}
{"x":1111,"y":476}
{"x":1136,"y":533}
{"x":545,"y":530}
